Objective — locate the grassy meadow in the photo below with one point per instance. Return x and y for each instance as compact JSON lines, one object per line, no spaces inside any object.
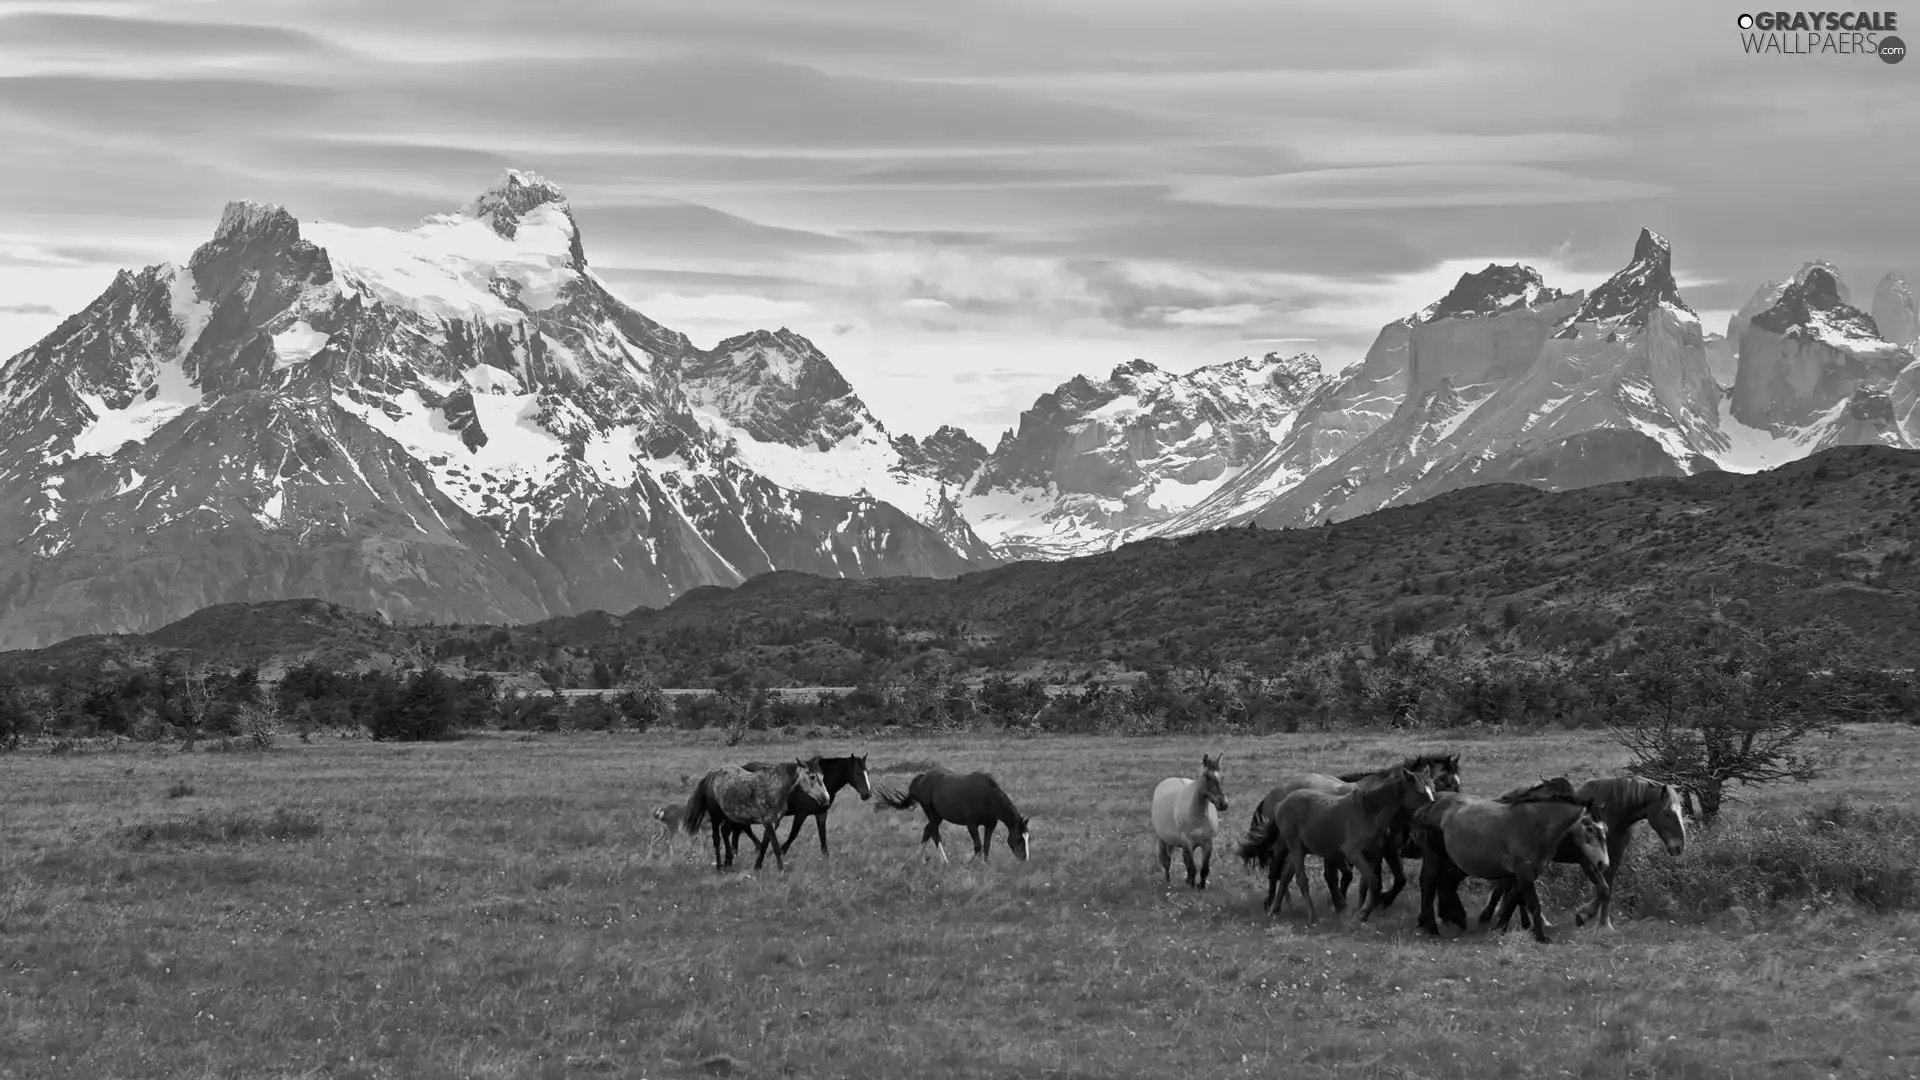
{"x":498,"y":907}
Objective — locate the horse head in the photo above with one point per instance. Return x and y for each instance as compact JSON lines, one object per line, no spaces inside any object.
{"x":1416,"y":788}
{"x":860,"y":782}
{"x":1590,"y":834}
{"x":1446,"y":773}
{"x":1210,"y":782}
{"x":1017,"y":838}
{"x":1668,"y":821}
{"x":807,"y":777}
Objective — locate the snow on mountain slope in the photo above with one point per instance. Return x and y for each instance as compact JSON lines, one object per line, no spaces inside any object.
{"x":1095,"y":463}
{"x":788,"y":414}
{"x":454,"y":422}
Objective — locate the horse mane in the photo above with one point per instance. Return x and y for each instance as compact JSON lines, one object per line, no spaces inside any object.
{"x":1436,"y":758}
{"x":1369,"y":789}
{"x":1621,"y":790}
{"x":1557,"y":790}
{"x":1412,"y":764}
{"x":1361,"y":776}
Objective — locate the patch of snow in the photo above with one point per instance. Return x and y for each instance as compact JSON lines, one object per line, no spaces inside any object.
{"x":1173,"y":495}
{"x":113,"y":428}
{"x":1753,"y":450}
{"x":190,"y":313}
{"x":447,"y":266}
{"x":297,"y":343}
{"x":519,"y":451}
{"x":864,"y":460}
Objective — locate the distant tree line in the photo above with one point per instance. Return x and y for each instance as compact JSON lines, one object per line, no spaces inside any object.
{"x":1651,"y":688}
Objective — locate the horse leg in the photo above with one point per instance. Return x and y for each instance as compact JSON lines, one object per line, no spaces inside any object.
{"x":1617,"y":840}
{"x":1430,"y":872}
{"x":932,"y":832}
{"x":1279,"y":878}
{"x":820,"y":822}
{"x":1602,"y":896}
{"x":1493,"y":899}
{"x":1297,"y":857}
{"x":1186,"y":856}
{"x":986,"y":841}
{"x":973,"y":834}
{"x":797,"y":822}
{"x":1399,"y":873}
{"x":773,"y":841}
{"x":1337,"y":875}
{"x":1369,"y":883}
{"x":1166,"y":863}
{"x":1206,"y":863}
{"x":1511,"y":896}
{"x":716,"y":845}
{"x":1530,"y":896}
{"x":760,"y":844}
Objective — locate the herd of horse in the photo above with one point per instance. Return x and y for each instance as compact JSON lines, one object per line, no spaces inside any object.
{"x":1353,"y":822}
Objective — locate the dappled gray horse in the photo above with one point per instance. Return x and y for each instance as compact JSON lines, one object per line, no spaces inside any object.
{"x":738,"y":796}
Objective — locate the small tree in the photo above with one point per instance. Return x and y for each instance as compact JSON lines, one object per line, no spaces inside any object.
{"x":1710,"y":708}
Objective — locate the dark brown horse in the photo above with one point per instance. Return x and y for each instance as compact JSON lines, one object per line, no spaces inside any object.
{"x":974,"y":800}
{"x":1442,"y":769}
{"x":1354,"y":826}
{"x":1508,"y":840}
{"x":1619,"y":802}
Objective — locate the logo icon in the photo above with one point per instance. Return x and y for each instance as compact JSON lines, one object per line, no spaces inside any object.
{"x":1892,"y":50}
{"x":1745,"y":21}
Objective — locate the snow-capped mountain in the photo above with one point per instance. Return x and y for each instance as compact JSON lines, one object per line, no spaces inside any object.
{"x":1507,"y":379}
{"x":1815,"y":372}
{"x":456,"y":422}
{"x":1097,"y":462}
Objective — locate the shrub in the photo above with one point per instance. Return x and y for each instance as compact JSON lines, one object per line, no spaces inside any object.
{"x":1836,"y":852}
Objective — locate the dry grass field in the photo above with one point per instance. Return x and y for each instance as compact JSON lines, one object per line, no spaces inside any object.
{"x":497,"y":908}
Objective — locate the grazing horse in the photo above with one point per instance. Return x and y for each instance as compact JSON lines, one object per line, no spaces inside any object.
{"x":1354,"y":826}
{"x":836,"y":773}
{"x":1619,"y":802}
{"x":973,"y":800}
{"x":1508,"y":840}
{"x":731,"y":795}
{"x":1185,"y":815}
{"x":669,"y":815}
{"x":1442,"y":769}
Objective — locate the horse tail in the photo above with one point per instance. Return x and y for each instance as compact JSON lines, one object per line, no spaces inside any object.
{"x":699,"y":804}
{"x":895,"y":799}
{"x":1262,"y":834}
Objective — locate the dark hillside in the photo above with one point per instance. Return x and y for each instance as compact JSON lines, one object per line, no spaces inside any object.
{"x":1496,"y":569}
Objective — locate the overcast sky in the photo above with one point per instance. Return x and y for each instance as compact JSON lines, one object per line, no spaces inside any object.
{"x":965,"y":203}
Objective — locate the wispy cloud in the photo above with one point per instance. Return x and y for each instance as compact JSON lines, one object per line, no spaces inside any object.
{"x":1024,"y":187}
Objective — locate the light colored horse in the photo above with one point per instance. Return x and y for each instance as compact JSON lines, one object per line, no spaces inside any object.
{"x":1186,"y":813}
{"x":735,"y":795}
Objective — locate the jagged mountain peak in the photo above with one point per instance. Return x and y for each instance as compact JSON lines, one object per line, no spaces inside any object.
{"x":510,"y":197}
{"x":1815,"y":306}
{"x":245,"y":218}
{"x":1645,"y":283}
{"x":1481,"y":293}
